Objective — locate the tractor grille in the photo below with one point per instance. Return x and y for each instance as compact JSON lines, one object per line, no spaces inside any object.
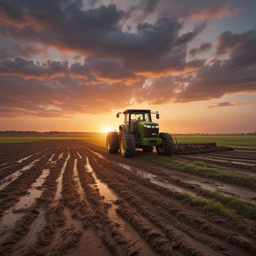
{"x":151,"y":132}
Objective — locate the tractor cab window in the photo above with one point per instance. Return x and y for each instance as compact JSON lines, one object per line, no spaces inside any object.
{"x":140,"y":117}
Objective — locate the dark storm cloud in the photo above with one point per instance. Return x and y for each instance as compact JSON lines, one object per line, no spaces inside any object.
{"x":139,"y":12}
{"x":27,"y":69}
{"x":13,"y":49}
{"x":199,"y":10}
{"x":69,"y":28}
{"x":237,"y":74}
{"x":93,"y":69}
{"x":60,"y":97}
{"x":119,"y":67}
{"x":228,"y":41}
{"x":204,"y":47}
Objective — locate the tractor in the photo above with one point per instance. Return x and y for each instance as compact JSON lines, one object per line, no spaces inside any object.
{"x":138,"y":131}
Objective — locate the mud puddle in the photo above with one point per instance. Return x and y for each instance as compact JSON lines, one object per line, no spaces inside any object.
{"x":128,"y":231}
{"x":99,"y":155}
{"x":153,"y":179}
{"x":34,"y":192}
{"x":76,"y":179}
{"x":246,"y":193}
{"x":222,"y":160}
{"x":25,"y":158}
{"x":7,"y":180}
{"x":51,"y":157}
{"x":59,"y":180}
{"x":8,"y":224}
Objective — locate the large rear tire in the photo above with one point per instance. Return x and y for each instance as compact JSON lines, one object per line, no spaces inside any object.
{"x":112,"y":143}
{"x":167,"y":146}
{"x":127,"y":144}
{"x":148,"y":149}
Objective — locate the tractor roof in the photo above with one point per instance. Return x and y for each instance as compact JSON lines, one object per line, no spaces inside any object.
{"x":136,"y":110}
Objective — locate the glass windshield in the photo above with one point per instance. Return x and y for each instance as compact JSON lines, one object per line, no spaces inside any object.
{"x":140,"y":116}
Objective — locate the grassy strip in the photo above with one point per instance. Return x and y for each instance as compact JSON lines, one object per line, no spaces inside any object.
{"x":231,"y":202}
{"x":203,"y":169}
{"x":212,"y":205}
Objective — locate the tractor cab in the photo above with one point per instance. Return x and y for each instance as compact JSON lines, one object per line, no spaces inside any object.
{"x":135,"y":117}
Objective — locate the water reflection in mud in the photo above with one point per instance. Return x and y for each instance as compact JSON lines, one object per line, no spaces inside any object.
{"x":76,"y":179}
{"x":153,"y":178}
{"x":59,"y":180}
{"x":7,"y":180}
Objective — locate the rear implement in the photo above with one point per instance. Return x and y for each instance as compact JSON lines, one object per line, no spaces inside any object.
{"x":185,"y":148}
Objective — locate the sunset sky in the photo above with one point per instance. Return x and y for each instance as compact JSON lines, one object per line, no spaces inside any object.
{"x":71,"y":65}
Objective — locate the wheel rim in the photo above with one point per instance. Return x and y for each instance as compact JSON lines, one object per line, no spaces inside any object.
{"x":122,"y":145}
{"x":161,"y":148}
{"x":108,"y":142}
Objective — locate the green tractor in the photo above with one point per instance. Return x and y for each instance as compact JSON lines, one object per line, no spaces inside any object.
{"x":138,"y":131}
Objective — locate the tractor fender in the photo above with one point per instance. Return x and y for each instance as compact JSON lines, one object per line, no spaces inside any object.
{"x":122,"y":128}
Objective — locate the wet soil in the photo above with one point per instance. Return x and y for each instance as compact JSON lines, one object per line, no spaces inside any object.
{"x":66,"y":197}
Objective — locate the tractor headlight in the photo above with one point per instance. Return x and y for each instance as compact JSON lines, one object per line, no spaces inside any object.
{"x":157,"y":126}
{"x":147,"y":126}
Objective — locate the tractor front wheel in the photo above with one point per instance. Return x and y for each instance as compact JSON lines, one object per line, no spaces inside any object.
{"x":167,"y":145}
{"x":112,"y":143}
{"x":127,"y":144}
{"x":148,"y":149}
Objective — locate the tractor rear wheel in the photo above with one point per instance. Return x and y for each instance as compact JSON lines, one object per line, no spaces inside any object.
{"x":148,"y":149}
{"x":112,"y":143}
{"x":167,"y":145}
{"x":127,"y":144}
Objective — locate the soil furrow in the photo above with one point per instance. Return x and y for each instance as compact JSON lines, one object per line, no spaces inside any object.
{"x":186,"y":217}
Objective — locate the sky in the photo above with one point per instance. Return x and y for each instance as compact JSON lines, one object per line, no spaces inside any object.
{"x":71,"y":65}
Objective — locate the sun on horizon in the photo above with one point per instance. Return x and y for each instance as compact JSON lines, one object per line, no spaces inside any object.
{"x":107,"y":129}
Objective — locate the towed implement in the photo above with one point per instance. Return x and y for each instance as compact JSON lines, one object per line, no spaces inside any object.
{"x":197,"y":148}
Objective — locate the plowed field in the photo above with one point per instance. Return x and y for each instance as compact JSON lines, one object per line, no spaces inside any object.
{"x":67,"y":197}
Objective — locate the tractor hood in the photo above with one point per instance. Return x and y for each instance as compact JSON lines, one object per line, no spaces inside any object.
{"x":142,"y":123}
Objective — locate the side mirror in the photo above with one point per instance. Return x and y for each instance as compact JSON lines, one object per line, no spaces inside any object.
{"x":157,"y":116}
{"x":117,"y":115}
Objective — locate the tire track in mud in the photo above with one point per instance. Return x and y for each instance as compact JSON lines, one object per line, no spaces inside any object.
{"x":66,"y":235}
{"x":141,"y":225}
{"x":7,"y":171}
{"x":14,"y":156}
{"x":208,"y":227}
{"x":12,"y":192}
{"x":77,"y":214}
{"x":187,"y":182}
{"x":24,"y":227}
{"x":95,"y":215}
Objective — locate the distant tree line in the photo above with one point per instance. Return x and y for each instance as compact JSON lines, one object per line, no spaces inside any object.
{"x":79,"y":134}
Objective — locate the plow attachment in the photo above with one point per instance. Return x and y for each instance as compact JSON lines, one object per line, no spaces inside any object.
{"x":197,"y":148}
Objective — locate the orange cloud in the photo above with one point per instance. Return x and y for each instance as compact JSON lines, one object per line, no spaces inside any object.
{"x":214,"y":11}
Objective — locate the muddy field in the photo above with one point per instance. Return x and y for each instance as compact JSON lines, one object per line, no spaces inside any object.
{"x":68,"y":197}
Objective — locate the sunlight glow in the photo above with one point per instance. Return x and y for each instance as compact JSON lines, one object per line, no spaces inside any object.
{"x":108,"y":129}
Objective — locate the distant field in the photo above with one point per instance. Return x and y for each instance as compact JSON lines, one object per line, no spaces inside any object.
{"x":100,"y":139}
{"x":245,"y":142}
